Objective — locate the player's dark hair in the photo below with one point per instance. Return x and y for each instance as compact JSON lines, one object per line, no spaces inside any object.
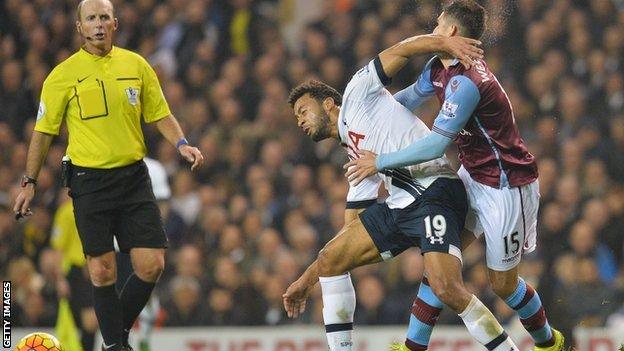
{"x":470,"y":16}
{"x":317,"y":90}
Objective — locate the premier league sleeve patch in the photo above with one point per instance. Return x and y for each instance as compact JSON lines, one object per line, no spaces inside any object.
{"x":133,"y":95}
{"x":41,"y":112}
{"x":449,"y":109}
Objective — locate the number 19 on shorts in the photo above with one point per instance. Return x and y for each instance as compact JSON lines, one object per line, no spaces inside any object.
{"x":435,"y":229}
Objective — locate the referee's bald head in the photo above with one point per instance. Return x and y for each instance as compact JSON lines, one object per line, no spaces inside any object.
{"x":82,"y":3}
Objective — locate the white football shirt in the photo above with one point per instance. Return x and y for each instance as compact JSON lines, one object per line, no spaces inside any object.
{"x":371,"y":119}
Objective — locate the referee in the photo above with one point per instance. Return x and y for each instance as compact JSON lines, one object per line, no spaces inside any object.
{"x":102,"y":92}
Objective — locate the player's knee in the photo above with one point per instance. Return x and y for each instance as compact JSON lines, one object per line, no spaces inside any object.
{"x":328,"y":265}
{"x":151,"y":269}
{"x":442,"y":289}
{"x":450,"y":292}
{"x":504,"y":287}
{"x":150,"y":273}
{"x":324,"y":263}
{"x":102,"y":273}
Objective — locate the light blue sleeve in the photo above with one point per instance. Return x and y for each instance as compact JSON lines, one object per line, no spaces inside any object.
{"x":419,"y":92}
{"x":422,"y":150}
{"x":462,"y":97}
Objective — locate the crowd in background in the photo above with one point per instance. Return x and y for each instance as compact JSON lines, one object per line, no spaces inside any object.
{"x":243,"y":227}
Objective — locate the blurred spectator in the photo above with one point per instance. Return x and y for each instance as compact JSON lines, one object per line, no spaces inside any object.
{"x":185,"y":307}
{"x":587,"y":300}
{"x":16,"y":103}
{"x":274,"y":313}
{"x":371,"y":307}
{"x":584,"y":243}
{"x":189,"y":263}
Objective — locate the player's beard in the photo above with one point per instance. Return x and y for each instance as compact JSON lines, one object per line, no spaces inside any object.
{"x":323,"y":130}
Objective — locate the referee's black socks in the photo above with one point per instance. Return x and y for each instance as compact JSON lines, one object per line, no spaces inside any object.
{"x":108,"y":309}
{"x":134,"y":296}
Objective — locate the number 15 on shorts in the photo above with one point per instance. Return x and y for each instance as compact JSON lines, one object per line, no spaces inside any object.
{"x":511,"y":241}
{"x":435,"y":229}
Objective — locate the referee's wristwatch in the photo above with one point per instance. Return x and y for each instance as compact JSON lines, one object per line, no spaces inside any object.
{"x":28,"y":180}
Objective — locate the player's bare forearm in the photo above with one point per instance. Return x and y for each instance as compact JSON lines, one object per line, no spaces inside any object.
{"x":170,"y":129}
{"x":395,"y":57}
{"x":296,"y":295}
{"x":311,"y":275}
{"x":37,"y":152}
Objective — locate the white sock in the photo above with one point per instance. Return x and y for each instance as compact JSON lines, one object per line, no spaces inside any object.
{"x":338,"y":309}
{"x":484,"y":327}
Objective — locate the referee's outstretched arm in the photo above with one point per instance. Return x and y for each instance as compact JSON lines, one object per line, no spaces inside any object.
{"x":37,"y":152}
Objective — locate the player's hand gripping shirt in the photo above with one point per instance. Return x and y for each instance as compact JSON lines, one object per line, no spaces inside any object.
{"x":371,"y":119}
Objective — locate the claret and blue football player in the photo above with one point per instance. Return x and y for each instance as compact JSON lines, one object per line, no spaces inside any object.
{"x":499,"y":173}
{"x":427,"y":205}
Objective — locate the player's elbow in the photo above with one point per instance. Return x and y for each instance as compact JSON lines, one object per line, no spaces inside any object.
{"x":437,"y":144}
{"x":438,"y":151}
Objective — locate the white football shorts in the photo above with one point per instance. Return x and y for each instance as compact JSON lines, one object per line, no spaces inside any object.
{"x":507,"y":216}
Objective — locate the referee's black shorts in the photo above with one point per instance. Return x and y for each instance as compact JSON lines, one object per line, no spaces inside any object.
{"x":116,"y":202}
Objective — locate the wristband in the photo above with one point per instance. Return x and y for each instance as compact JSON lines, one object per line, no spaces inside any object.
{"x":181,"y":142}
{"x":28,"y":180}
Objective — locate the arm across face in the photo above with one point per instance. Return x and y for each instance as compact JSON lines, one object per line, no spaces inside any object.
{"x":396,"y":57}
{"x":419,"y":92}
